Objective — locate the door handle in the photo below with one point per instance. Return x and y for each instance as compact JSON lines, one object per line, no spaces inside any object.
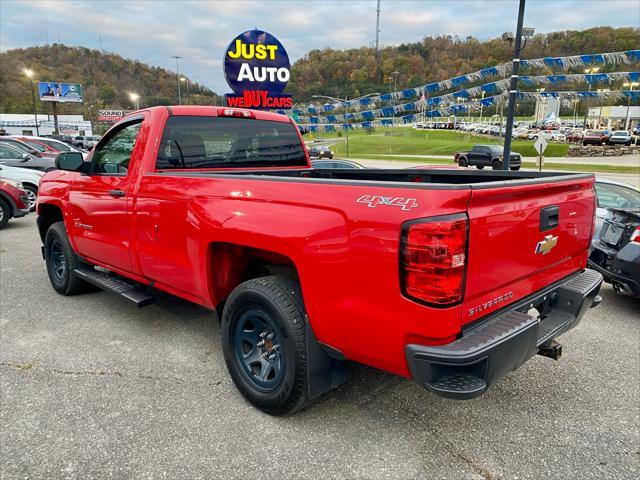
{"x":116,"y":193}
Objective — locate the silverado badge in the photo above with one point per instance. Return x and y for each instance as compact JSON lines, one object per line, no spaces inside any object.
{"x":546,"y":245}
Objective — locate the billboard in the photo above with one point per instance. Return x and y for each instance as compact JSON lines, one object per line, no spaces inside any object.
{"x":60,"y":92}
{"x":256,"y":67}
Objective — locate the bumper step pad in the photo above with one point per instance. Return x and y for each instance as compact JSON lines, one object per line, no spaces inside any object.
{"x":115,"y":285}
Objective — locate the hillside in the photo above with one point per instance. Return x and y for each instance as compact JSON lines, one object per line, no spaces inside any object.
{"x":106,"y":78}
{"x":354,"y":71}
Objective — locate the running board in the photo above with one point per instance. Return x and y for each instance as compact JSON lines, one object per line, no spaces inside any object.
{"x":115,"y":285}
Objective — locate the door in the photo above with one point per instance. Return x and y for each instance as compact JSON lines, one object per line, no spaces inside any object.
{"x":11,"y":156}
{"x":99,"y":200}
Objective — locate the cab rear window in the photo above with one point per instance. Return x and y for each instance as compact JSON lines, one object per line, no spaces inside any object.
{"x":228,"y":142}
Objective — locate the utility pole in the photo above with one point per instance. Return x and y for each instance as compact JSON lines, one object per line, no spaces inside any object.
{"x":177,"y":57}
{"x":513,"y":89}
{"x":378,"y":73}
{"x":29,"y":73}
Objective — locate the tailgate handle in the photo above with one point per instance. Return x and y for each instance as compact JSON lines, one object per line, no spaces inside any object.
{"x":549,"y":218}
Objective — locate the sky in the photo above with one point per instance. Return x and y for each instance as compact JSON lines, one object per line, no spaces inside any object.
{"x":152,"y":31}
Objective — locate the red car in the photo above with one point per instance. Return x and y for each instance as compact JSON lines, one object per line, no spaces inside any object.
{"x":452,"y":278}
{"x":594,"y":137}
{"x":14,"y":202}
{"x":45,"y":150}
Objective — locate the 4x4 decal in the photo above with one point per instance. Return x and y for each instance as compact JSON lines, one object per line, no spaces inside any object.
{"x":374,"y":200}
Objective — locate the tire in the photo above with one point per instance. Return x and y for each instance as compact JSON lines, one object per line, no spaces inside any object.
{"x":32,"y":193}
{"x":514,"y":168}
{"x":5,"y":213}
{"x":273,"y":376}
{"x":479,"y":167}
{"x":496,"y":165}
{"x":61,"y":261}
{"x":463,"y":162}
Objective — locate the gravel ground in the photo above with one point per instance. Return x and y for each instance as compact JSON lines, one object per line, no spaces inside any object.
{"x":92,"y":387}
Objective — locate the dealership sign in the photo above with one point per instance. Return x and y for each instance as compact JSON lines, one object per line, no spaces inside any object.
{"x":112,"y":115}
{"x":257,"y":69}
{"x":60,"y":92}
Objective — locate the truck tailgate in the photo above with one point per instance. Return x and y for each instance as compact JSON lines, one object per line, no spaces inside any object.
{"x":523,"y":238}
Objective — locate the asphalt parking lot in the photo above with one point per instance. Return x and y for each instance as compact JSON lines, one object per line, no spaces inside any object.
{"x":92,"y":387}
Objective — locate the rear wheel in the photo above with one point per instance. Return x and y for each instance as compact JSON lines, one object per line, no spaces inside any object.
{"x":463,"y":162}
{"x":61,"y":261}
{"x":264,"y":343}
{"x":496,"y":164}
{"x":479,"y":167}
{"x":515,"y":168}
{"x":5,"y":213}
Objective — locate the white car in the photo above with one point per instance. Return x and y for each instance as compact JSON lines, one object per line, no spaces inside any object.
{"x":29,"y":178}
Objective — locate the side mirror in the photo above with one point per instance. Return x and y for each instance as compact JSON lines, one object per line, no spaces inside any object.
{"x":25,"y":157}
{"x":71,"y":161}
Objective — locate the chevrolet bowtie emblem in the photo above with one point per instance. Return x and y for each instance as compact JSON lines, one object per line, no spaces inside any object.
{"x":546,"y":245}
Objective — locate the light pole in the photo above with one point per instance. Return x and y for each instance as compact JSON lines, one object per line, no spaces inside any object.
{"x":333,"y":99}
{"x":178,"y":57}
{"x":601,"y":90}
{"x":135,"y":99}
{"x":481,"y":105}
{"x":586,"y":102}
{"x":29,"y":73}
{"x":513,"y":85}
{"x":395,"y":84}
{"x":627,"y":122}
{"x":185,"y":79}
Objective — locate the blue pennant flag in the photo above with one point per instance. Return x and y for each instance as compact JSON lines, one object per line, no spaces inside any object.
{"x":458,"y":108}
{"x":349,"y":116}
{"x":386,"y":122}
{"x":387,"y":112}
{"x":526,"y":80}
{"x":313,"y":120}
{"x":329,"y":128}
{"x":552,"y":61}
{"x":596,"y":77}
{"x":347,"y":126}
{"x":489,"y":88}
{"x":368,"y":115}
{"x":434,"y":113}
{"x":385,"y":97}
{"x":312,"y":110}
{"x":408,"y":119}
{"x":408,"y":107}
{"x":589,"y":59}
{"x":634,"y":76}
{"x":488,"y":72}
{"x":487,"y":102}
{"x":328,"y":107}
{"x":297,"y":112}
{"x":557,"y":78}
{"x":332,"y":119}
{"x":313,"y":128}
{"x":457,"y":81}
{"x":365,"y":101}
{"x":587,"y":94}
{"x":524,"y":64}
{"x":366,"y":125}
{"x":461,"y":94}
{"x":408,"y":93}
{"x":633,"y":55}
{"x":432,"y":87}
{"x":632,"y":94}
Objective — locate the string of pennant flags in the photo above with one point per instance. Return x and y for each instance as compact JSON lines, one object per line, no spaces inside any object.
{"x":487,"y":88}
{"x":563,"y":63}
{"x":348,"y":121}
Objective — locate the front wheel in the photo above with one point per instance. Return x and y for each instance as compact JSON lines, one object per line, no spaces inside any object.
{"x":264,"y":343}
{"x":5,"y":213}
{"x":61,"y":261}
{"x":479,"y":167}
{"x":463,"y":162}
{"x":496,"y":165}
{"x":32,"y":195}
{"x":515,"y":168}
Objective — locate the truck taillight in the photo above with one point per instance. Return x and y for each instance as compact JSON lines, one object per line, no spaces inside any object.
{"x":635,"y":236}
{"x":433,"y":259}
{"x":231,"y":112}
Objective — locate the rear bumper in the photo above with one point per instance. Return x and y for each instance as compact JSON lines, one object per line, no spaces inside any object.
{"x":501,"y":343}
{"x":621,"y":268}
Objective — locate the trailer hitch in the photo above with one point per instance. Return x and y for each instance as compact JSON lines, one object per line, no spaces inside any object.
{"x":551,"y":349}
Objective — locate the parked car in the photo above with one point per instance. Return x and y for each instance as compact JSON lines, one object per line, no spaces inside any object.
{"x":320,"y":152}
{"x":335,"y":164}
{"x":616,"y":252}
{"x":37,"y":144}
{"x":20,"y":145}
{"x":29,"y":179}
{"x":57,"y":145}
{"x":619,"y":137}
{"x":13,"y":201}
{"x":14,"y":157}
{"x":309,"y":268}
{"x":612,"y":194}
{"x":575,"y":136}
{"x":85,"y":142}
{"x":482,"y":156}
{"x":594,"y":137}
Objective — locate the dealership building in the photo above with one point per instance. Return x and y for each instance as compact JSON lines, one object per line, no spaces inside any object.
{"x":25,"y":124}
{"x":614,"y":117}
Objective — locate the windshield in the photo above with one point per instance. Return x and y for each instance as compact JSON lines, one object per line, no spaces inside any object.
{"x":210,"y":142}
{"x":620,"y":133}
{"x":35,"y":145}
{"x":61,"y":147}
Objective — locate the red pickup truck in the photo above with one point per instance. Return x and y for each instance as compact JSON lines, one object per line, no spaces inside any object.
{"x":453,"y":278}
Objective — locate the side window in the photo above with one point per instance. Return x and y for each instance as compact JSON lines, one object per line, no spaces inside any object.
{"x":616,"y":196}
{"x":114,"y":154}
{"x":6,"y":152}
